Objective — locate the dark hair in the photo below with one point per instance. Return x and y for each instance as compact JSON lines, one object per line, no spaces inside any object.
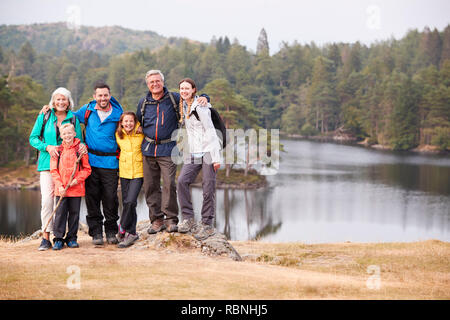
{"x":119,"y":124}
{"x":101,"y":85}
{"x":192,"y":83}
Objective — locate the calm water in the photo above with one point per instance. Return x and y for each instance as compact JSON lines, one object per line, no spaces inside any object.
{"x":322,"y":192}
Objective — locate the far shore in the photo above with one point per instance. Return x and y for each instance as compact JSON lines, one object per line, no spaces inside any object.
{"x":348,"y":139}
{"x":27,"y":177}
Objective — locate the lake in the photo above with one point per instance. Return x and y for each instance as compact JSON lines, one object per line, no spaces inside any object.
{"x":323,"y":192}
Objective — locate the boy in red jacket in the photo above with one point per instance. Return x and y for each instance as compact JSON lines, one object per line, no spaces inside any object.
{"x":61,"y":168}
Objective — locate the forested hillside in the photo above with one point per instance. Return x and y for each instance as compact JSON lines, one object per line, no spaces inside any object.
{"x":393,"y":92}
{"x":54,"y":38}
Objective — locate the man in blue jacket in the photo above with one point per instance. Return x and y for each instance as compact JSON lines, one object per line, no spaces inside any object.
{"x":158,"y":114}
{"x":100,"y":118}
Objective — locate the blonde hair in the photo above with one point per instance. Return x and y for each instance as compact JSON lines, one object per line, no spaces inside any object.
{"x":65,"y":126}
{"x":66,"y":93}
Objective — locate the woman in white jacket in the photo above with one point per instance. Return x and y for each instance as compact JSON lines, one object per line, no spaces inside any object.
{"x":204,"y":154}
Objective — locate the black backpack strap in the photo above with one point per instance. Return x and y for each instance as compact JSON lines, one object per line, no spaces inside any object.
{"x":175,"y":106}
{"x":143,"y":105}
{"x":46,"y":117}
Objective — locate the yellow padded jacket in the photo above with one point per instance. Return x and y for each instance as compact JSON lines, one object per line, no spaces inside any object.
{"x":130,"y":160}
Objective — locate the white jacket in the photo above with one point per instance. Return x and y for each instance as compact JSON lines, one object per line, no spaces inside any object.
{"x":202,"y":136}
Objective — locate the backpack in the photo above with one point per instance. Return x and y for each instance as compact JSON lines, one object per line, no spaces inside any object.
{"x":174,"y":105}
{"x":73,"y":121}
{"x":218,"y":125}
{"x":86,"y":118}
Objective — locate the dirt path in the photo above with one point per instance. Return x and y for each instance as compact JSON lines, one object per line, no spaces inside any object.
{"x":269,"y":271}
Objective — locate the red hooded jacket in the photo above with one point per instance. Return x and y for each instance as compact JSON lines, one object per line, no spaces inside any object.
{"x":61,"y":172}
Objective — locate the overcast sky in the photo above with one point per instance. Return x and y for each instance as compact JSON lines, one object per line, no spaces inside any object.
{"x":321,"y":21}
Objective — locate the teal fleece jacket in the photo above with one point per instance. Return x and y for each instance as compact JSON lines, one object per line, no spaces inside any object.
{"x":49,"y":137}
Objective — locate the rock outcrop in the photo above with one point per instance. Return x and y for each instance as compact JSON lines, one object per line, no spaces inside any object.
{"x":215,"y":245}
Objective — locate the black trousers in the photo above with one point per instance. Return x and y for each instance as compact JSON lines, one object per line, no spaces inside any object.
{"x":68,"y":213}
{"x":101,"y":188}
{"x":130,"y":192}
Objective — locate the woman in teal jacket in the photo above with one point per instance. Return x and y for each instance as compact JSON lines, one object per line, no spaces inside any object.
{"x":45,"y":138}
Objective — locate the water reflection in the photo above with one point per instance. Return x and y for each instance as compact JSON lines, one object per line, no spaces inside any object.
{"x":19,"y":212}
{"x":322,"y":193}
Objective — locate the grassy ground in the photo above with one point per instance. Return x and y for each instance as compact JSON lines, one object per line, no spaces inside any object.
{"x":418,"y":270}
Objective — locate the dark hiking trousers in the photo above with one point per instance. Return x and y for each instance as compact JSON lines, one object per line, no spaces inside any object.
{"x":101,"y":187}
{"x":68,"y":213}
{"x":161,"y":204}
{"x":130,"y":192}
{"x":187,"y":176}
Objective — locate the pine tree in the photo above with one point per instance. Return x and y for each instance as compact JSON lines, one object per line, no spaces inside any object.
{"x":262,"y":46}
{"x":445,"y":54}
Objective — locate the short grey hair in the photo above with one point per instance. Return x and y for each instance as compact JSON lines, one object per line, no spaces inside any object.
{"x":66,"y":93}
{"x":152,"y":72}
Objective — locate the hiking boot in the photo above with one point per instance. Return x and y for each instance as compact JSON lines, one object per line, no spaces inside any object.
{"x":58,"y":245}
{"x":45,"y":245}
{"x":111,"y":239}
{"x":171,"y":227}
{"x":72,"y":244}
{"x":97,"y":240}
{"x":120,"y":236}
{"x":185,"y":225}
{"x":129,"y":239}
{"x":205,"y":231}
{"x":157,"y":226}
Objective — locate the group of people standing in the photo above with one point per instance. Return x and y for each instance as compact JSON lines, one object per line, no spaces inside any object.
{"x":135,"y":147}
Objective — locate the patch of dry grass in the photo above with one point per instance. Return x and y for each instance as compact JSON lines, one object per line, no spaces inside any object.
{"x":277,"y":271}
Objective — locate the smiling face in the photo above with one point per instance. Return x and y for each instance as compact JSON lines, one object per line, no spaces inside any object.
{"x":67,"y":134}
{"x":187,"y":92}
{"x":128,"y":123}
{"x":102,"y":96}
{"x":155,"y":84}
{"x":60,"y":103}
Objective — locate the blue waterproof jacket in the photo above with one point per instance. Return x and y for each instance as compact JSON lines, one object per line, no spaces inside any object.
{"x":158,"y":123}
{"x":100,"y":136}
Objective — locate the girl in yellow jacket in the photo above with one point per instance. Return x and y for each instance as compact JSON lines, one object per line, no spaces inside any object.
{"x":131,"y":175}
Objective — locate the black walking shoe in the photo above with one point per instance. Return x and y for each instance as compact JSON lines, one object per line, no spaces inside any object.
{"x":97,"y":240}
{"x":111,"y":239}
{"x":45,"y":245}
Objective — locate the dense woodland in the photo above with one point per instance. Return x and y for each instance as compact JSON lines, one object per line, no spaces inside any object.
{"x":393,"y":92}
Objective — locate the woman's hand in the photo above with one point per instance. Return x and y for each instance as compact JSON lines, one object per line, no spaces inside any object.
{"x":52,"y":150}
{"x":62,"y":191}
{"x":216,"y":166}
{"x":202,"y":101}
{"x":44,"y":109}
